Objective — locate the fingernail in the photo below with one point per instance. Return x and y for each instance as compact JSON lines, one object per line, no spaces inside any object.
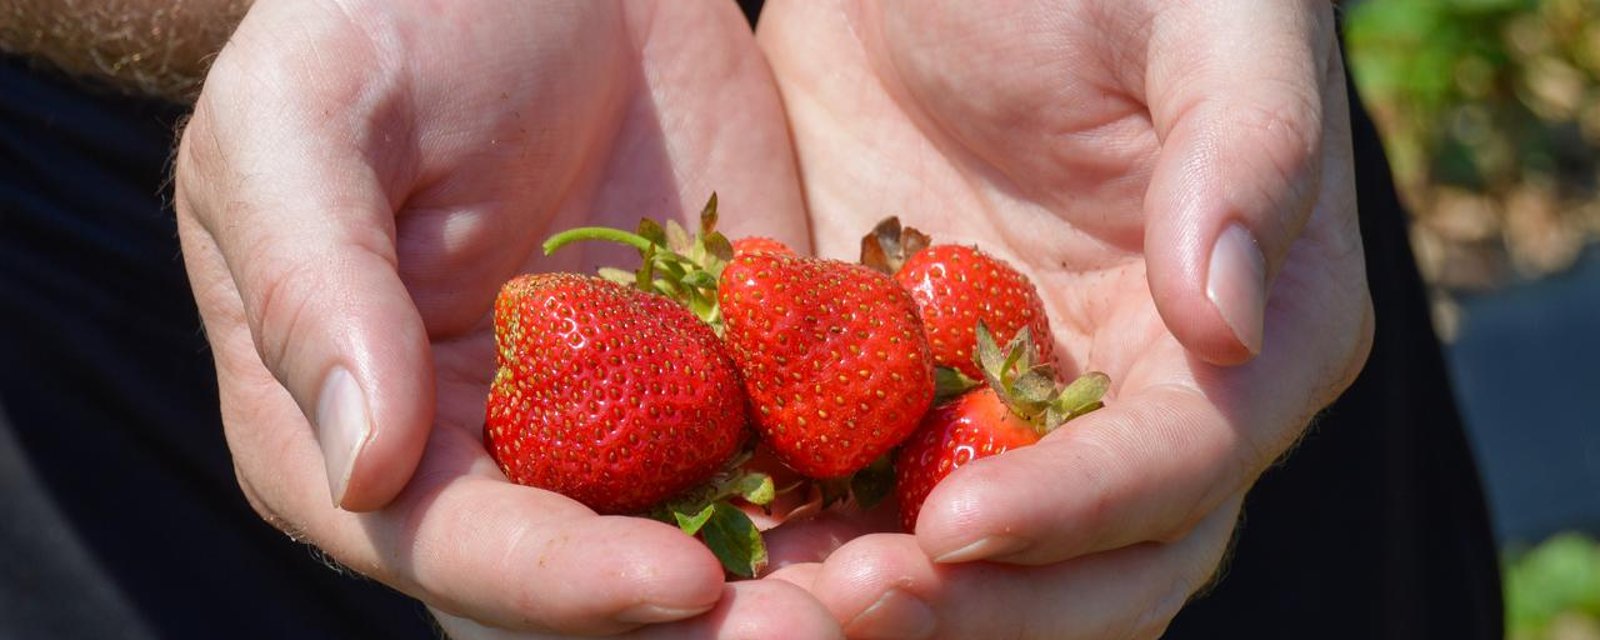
{"x":654,"y":613}
{"x":342,"y":426}
{"x":984,"y":548}
{"x":896,"y":614}
{"x":1237,"y":284}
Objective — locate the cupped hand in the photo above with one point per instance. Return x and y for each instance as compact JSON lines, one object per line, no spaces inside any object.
{"x":1176,"y":178}
{"x":356,"y":182}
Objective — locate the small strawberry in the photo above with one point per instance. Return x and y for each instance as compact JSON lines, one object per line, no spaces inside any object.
{"x":956,"y":287}
{"x":757,"y":244}
{"x":832,"y":355}
{"x":613,"y":397}
{"x":1019,"y":404}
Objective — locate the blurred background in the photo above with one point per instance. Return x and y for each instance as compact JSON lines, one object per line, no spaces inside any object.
{"x":1490,"y":112}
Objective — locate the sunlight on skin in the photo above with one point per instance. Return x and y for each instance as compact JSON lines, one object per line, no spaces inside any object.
{"x":1101,"y":148}
{"x":366,"y":223}
{"x":366,"y":220}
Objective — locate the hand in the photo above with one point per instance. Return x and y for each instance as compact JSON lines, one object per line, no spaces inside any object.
{"x":357,"y":181}
{"x":1157,"y":168}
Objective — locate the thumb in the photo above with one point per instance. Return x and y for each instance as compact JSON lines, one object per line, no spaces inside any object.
{"x":1237,"y":94}
{"x":307,"y":236}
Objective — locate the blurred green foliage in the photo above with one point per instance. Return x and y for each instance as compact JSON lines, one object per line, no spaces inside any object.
{"x":1481,"y":93}
{"x":1490,"y":111}
{"x":1553,"y":590}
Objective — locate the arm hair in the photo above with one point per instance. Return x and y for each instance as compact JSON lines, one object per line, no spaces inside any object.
{"x":144,"y":47}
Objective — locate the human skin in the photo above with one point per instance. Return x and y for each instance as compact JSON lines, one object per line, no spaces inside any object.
{"x":157,"y":48}
{"x":359,"y":177}
{"x":357,"y":180}
{"x":1146,"y":164}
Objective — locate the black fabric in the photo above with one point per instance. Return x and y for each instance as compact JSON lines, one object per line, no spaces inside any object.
{"x":118,"y":485}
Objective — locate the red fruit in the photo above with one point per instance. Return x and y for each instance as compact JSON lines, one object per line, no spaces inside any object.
{"x":755,"y":244}
{"x":1019,"y":403}
{"x":832,"y":357}
{"x":614,"y":397}
{"x":956,"y":287}
{"x":975,"y":425}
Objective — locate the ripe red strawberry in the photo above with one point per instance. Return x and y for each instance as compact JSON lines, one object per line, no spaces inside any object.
{"x":617,"y":398}
{"x":832,"y":356}
{"x":1018,"y":405}
{"x":754,"y":244}
{"x":975,"y":425}
{"x":956,"y":287}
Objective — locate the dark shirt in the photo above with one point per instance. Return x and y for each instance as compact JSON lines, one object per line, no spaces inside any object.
{"x":119,"y":512}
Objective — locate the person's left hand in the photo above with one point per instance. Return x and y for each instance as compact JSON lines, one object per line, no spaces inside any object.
{"x":1157,"y":168}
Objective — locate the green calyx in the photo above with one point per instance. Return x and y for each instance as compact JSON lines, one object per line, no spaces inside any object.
{"x":708,"y":512}
{"x":1029,"y":389}
{"x":867,"y":487}
{"x":673,"y":262}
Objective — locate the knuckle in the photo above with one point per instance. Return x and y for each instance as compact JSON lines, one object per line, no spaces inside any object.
{"x":279,"y":310}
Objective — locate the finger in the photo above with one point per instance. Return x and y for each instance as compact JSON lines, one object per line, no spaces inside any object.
{"x":883,"y":586}
{"x":747,"y":610}
{"x":467,"y":542}
{"x":753,"y":610}
{"x":802,"y":574}
{"x":1238,"y":94}
{"x":813,"y":538}
{"x":306,"y":233}
{"x":458,"y":536}
{"x":1146,"y":468}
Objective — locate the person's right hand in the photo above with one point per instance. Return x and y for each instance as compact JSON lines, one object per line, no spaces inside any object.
{"x":356,"y":182}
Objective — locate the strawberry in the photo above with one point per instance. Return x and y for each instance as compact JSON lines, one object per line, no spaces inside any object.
{"x":754,"y":244}
{"x":956,"y":287}
{"x":614,"y":397}
{"x":832,"y":356}
{"x":1019,"y":404}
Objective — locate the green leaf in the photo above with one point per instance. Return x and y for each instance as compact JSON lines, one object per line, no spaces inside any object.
{"x":644,"y":279}
{"x":1017,"y":351}
{"x":754,"y":487}
{"x":734,"y":539}
{"x":708,"y":216}
{"x":950,"y":383}
{"x":718,"y":246}
{"x":700,"y":279}
{"x":1083,"y":395}
{"x":872,"y":484}
{"x":691,"y":523}
{"x":1033,"y":389}
{"x":651,"y":230}
{"x":834,"y":490}
{"x":704,"y":308}
{"x":619,"y":276}
{"x":1558,"y":578}
{"x":673,"y":269}
{"x":678,"y":237}
{"x":989,"y":358}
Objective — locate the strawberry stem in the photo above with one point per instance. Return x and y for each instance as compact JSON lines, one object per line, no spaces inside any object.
{"x":673,"y":262}
{"x":1028,"y":389}
{"x":579,"y":234}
